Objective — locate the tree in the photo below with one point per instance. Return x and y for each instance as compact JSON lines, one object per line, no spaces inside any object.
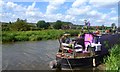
{"x":57,"y":24}
{"x":47,"y":25}
{"x":10,"y":22}
{"x":5,"y":27}
{"x":19,"y":25}
{"x":42,"y":24}
{"x":18,"y":19}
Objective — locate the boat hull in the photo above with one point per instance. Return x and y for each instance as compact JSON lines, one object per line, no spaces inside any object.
{"x":80,"y":62}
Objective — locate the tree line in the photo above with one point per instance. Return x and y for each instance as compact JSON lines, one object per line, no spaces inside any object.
{"x":23,"y":25}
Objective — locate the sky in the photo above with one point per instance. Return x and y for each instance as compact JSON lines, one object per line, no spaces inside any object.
{"x":98,"y":12}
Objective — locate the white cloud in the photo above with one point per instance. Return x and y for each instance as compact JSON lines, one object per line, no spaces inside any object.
{"x":100,"y":21}
{"x":11,"y":5}
{"x":12,"y":11}
{"x":103,"y":3}
{"x":31,"y":7}
{"x":34,"y":0}
{"x":113,"y":11}
{"x":55,"y":17}
{"x":31,"y":11}
{"x":94,"y":13}
{"x":114,"y":18}
{"x":14,"y":7}
{"x":54,"y":5}
{"x":79,"y":11}
{"x":78,"y":3}
{"x":105,"y":16}
{"x":69,"y":17}
{"x":1,"y":3}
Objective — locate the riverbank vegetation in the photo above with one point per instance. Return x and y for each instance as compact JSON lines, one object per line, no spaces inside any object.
{"x":112,"y":62}
{"x":12,"y":36}
{"x":21,"y":30}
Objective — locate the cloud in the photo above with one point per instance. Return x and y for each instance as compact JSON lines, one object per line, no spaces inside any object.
{"x":1,"y":3}
{"x":59,"y":16}
{"x":103,"y":3}
{"x":79,"y":7}
{"x":69,"y":17}
{"x":54,"y":5}
{"x":113,"y":11}
{"x":94,"y":13}
{"x":11,"y":5}
{"x":12,"y":11}
{"x":31,"y":7}
{"x":53,"y":17}
{"x":34,"y":0}
{"x":31,"y":11}
{"x":100,"y":21}
{"x":114,"y":18}
{"x":78,"y":11}
{"x":78,"y":3}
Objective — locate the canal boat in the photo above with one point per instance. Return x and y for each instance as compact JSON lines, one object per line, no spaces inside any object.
{"x":84,"y":52}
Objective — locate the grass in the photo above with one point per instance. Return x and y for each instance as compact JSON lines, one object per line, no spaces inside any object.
{"x":112,"y":62}
{"x":13,"y":36}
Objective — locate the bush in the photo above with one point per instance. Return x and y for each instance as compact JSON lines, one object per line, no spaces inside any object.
{"x":8,"y":37}
{"x":112,"y":62}
{"x":21,"y":38}
{"x":35,"y":38}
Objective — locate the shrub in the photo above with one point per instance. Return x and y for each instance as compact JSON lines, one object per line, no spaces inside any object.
{"x":112,"y":62}
{"x":21,"y":38}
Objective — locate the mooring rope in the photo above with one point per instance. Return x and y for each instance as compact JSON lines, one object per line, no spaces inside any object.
{"x":69,"y":64}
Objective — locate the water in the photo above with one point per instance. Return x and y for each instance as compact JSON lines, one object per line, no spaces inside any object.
{"x":28,"y":55}
{"x":36,"y":55}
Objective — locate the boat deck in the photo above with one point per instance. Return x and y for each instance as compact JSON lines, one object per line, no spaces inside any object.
{"x":77,"y":55}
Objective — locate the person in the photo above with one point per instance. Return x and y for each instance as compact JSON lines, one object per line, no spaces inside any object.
{"x":65,"y":38}
{"x":106,"y":31}
{"x":85,"y":22}
{"x":114,"y":29}
{"x":88,"y":26}
{"x":65,"y":42}
{"x":97,"y":32}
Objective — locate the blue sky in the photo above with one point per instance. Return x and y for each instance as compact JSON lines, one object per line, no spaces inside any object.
{"x":98,"y":12}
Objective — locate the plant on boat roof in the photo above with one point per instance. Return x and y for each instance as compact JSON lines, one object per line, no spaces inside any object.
{"x":106,"y":44}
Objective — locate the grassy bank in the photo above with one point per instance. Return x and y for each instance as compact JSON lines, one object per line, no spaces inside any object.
{"x":112,"y":62}
{"x":12,"y":36}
